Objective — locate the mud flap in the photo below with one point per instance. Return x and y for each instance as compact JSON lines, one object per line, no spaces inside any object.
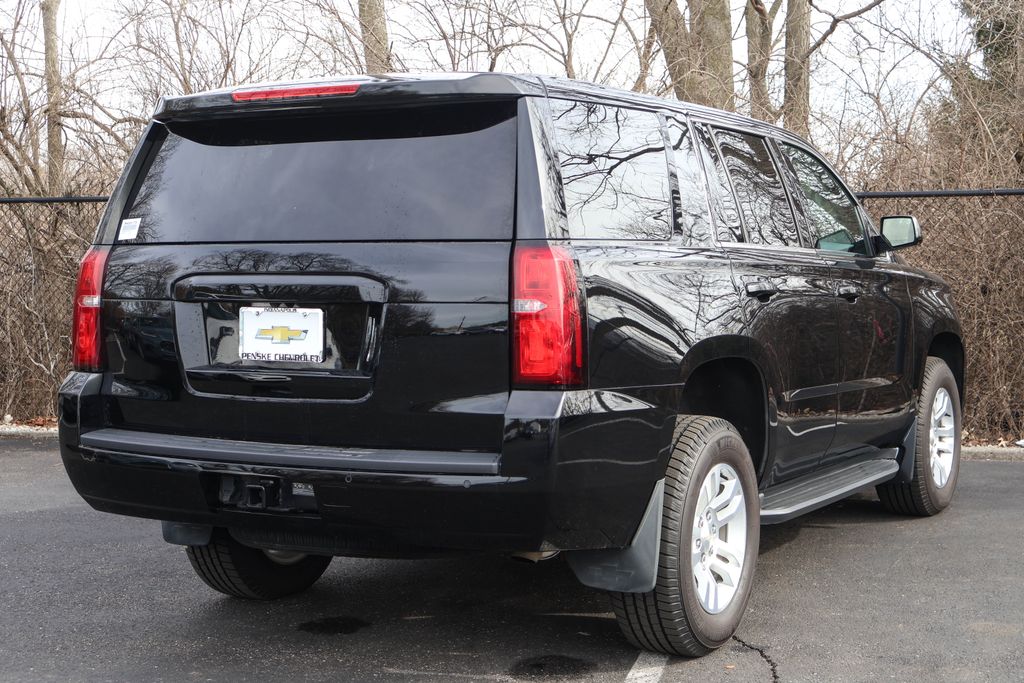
{"x":908,"y":452}
{"x":633,"y":569}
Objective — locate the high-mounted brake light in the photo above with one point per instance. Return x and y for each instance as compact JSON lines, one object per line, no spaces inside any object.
{"x":86,"y":352}
{"x":547,"y":317}
{"x":290,"y":91}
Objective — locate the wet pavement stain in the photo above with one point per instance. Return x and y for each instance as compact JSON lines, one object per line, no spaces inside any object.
{"x":550,"y":666}
{"x":334,"y":626}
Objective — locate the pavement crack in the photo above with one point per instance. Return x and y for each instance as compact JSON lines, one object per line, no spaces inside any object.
{"x":764,"y":656}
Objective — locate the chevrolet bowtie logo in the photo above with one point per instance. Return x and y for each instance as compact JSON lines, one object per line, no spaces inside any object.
{"x":280,"y":334}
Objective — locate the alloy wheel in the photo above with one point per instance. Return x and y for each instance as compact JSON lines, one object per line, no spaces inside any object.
{"x":719,"y":538}
{"x":942,"y":437}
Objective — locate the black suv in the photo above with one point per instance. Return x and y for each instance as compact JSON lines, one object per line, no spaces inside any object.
{"x":398,"y":316}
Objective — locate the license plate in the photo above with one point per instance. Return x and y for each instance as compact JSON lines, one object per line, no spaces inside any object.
{"x":281,"y":335}
{"x":301,"y":489}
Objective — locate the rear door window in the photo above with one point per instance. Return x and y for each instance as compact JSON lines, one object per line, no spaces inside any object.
{"x":437,"y":173}
{"x":729,"y":227}
{"x":762,"y":197}
{"x":614,"y":171}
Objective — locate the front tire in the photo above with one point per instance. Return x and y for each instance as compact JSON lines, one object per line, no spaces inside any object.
{"x":937,"y":450}
{"x":229,"y":567}
{"x":709,"y":542}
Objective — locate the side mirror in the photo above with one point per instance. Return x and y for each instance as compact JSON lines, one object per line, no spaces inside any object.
{"x":901,"y":231}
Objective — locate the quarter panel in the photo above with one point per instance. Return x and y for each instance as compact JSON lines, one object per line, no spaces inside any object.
{"x":648,"y":305}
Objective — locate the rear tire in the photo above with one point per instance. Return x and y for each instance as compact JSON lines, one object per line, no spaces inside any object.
{"x":675,"y":618}
{"x":937,"y":450}
{"x":229,"y":567}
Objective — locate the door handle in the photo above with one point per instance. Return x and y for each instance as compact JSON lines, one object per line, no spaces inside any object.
{"x":762,"y":291}
{"x":849,"y":292}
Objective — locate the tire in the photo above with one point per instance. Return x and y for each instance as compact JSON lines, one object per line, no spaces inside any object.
{"x":926,"y":494}
{"x":229,"y":567}
{"x":672,"y":618}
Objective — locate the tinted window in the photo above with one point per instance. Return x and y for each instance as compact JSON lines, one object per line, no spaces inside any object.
{"x":723,"y":202}
{"x":438,"y":173}
{"x":831,"y":212}
{"x":692,"y":202}
{"x":614,"y":171}
{"x":759,"y":189}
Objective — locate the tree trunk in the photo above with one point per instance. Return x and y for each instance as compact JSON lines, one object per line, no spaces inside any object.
{"x":377,"y":49}
{"x":674,"y":37}
{"x":759,"y":22}
{"x":711,"y":28}
{"x":796,"y":106}
{"x":699,"y":57}
{"x":54,"y":97}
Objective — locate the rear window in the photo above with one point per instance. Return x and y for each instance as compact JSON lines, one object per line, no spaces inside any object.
{"x":444,"y":172}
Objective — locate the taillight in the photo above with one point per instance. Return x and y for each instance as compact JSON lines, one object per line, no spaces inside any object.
{"x":85,"y":333}
{"x":290,"y":91}
{"x":547,"y":317}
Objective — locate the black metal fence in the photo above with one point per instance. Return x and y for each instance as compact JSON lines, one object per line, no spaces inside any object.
{"x":973,"y":238}
{"x":41,"y":242}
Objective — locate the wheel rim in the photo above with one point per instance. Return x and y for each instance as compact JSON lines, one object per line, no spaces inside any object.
{"x":719,"y":538}
{"x":942,"y":437}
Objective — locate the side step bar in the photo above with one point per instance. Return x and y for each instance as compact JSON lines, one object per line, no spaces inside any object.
{"x":793,"y":498}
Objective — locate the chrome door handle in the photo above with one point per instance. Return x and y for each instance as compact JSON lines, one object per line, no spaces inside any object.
{"x":850,"y":292}
{"x":762,"y":291}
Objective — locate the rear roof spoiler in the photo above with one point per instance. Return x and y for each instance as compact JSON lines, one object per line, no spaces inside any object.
{"x":346,"y":91}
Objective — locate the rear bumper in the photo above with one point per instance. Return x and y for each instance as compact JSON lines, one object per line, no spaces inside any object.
{"x":365,"y":512}
{"x":569,"y":476}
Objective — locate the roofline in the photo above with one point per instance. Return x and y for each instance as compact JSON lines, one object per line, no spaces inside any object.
{"x":400,"y":88}
{"x":557,"y":86}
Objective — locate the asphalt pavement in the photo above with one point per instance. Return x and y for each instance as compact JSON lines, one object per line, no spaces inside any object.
{"x":849,"y":593}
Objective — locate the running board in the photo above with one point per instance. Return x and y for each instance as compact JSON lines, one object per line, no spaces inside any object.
{"x":793,"y":498}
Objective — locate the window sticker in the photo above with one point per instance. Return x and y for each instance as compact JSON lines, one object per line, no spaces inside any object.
{"x":129,"y":229}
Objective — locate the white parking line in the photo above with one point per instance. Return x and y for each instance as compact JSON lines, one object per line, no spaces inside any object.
{"x":440,"y":676}
{"x":647,"y":668}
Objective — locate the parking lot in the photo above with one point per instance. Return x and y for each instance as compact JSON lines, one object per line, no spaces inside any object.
{"x":848,"y":593}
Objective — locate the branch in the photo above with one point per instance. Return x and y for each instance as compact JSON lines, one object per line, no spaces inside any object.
{"x":836,"y":20}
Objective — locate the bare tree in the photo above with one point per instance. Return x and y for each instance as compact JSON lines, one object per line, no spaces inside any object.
{"x":674,"y":35}
{"x":699,"y":54}
{"x":51,"y":74}
{"x":176,"y":47}
{"x":605,"y":41}
{"x":759,"y":22}
{"x":712,"y":28}
{"x":461,"y":35}
{"x":328,"y":37}
{"x":796,"y":106}
{"x":646,"y":51}
{"x":374,"y":30}
{"x":585,"y":38}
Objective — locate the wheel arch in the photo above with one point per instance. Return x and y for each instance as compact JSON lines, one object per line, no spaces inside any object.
{"x":732,"y":386}
{"x":948,"y":346}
